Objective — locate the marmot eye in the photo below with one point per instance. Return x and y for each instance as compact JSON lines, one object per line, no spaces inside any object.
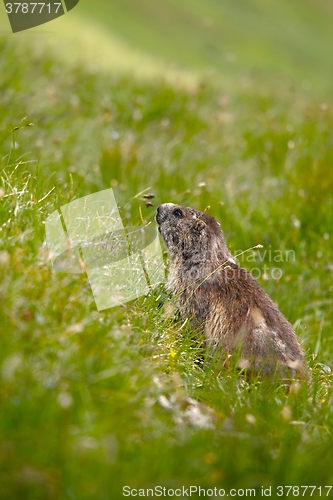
{"x":177,"y":212}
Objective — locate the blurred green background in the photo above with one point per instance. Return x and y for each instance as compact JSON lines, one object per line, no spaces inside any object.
{"x":254,"y":38}
{"x":226,"y":104}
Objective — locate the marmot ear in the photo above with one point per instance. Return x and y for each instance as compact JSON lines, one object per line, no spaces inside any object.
{"x":198,"y":225}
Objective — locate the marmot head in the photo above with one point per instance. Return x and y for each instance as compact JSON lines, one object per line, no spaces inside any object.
{"x":191,"y":234}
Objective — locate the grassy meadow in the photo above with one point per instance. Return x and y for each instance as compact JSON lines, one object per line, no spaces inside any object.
{"x":238,"y":119}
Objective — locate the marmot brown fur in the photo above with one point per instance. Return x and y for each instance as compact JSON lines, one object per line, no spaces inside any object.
{"x":223,"y":299}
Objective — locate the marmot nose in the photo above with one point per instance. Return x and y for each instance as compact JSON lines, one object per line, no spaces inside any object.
{"x":162,"y":211}
{"x":159,"y":214}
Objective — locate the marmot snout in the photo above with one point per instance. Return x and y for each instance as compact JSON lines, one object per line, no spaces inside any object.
{"x":222,"y":298}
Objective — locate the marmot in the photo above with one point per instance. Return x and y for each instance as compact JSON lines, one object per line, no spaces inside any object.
{"x":223,"y":299}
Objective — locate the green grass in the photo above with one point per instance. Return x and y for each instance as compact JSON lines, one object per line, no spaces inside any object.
{"x":274,"y":40}
{"x":92,"y":401}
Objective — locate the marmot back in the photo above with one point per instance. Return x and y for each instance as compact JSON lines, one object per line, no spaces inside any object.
{"x":222,"y":298}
